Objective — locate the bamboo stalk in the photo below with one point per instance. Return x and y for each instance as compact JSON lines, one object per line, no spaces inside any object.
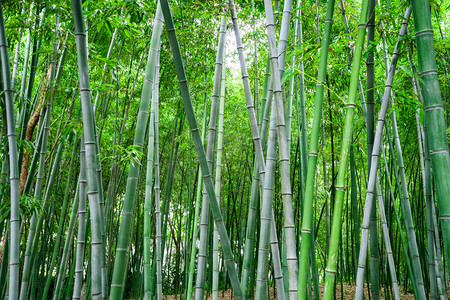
{"x":226,"y":246}
{"x":14,"y":168}
{"x":434,"y":118}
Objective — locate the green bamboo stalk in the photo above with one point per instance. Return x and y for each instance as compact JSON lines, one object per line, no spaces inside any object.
{"x":81,"y":241}
{"x":196,"y":216}
{"x":350,"y":52}
{"x":372,"y":176}
{"x":306,"y":229}
{"x":68,"y":243}
{"x":434,"y":119}
{"x":218,"y":185}
{"x":226,"y":246}
{"x":149,"y":182}
{"x":266,"y":214}
{"x":425,"y":165}
{"x":374,"y":259}
{"x":204,"y":217}
{"x":13,"y":168}
{"x":123,"y":241}
{"x":277,"y":70}
{"x":61,"y":218}
{"x":396,"y":213}
{"x":331,"y":269}
{"x":97,"y":246}
{"x":259,"y":164}
{"x":159,"y":252}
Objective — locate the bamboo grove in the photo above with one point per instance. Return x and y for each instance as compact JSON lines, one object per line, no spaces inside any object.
{"x":263,"y":149}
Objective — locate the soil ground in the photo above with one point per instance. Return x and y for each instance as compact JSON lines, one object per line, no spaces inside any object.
{"x":347,"y":294}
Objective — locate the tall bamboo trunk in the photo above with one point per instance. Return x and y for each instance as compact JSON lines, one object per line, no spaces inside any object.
{"x":97,"y":246}
{"x":434,"y":119}
{"x":14,"y":250}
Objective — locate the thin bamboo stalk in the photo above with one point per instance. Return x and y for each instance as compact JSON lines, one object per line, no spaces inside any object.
{"x":374,"y":167}
{"x":81,"y":241}
{"x":218,"y":185}
{"x":159,"y":254}
{"x":267,"y":214}
{"x":196,"y":217}
{"x":209,"y":158}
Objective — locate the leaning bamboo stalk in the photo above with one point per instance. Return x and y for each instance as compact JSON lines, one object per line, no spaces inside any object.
{"x":226,"y":246}
{"x":396,"y":212}
{"x":259,"y":162}
{"x":426,"y":181}
{"x":68,"y":243}
{"x":36,"y":225}
{"x":248,"y":261}
{"x":407,"y":213}
{"x":387,"y":242}
{"x":288,"y":212}
{"x":17,"y":52}
{"x":434,"y":119}
{"x":13,"y":291}
{"x":39,"y":154}
{"x":266,"y":214}
{"x":124,"y":237}
{"x":374,"y":168}
{"x":196,"y":217}
{"x":105,"y":66}
{"x":62,"y":218}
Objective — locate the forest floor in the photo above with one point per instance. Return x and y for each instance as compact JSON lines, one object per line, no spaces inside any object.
{"x":348,"y":293}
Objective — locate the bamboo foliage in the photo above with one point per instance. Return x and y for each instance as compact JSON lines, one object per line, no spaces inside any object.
{"x":259,"y":193}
